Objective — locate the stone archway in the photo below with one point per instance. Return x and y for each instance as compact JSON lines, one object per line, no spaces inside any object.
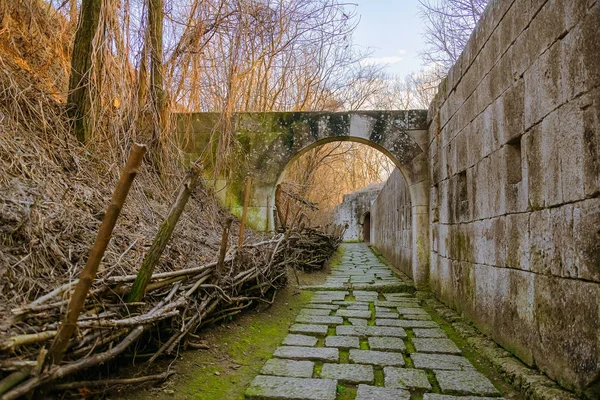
{"x":270,"y":141}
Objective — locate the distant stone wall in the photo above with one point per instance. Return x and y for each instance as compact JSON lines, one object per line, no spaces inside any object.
{"x":391,"y":219}
{"x":353,"y":209}
{"x":515,"y":183}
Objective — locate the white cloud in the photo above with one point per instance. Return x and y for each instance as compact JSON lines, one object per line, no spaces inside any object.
{"x":381,"y":60}
{"x":402,"y":51}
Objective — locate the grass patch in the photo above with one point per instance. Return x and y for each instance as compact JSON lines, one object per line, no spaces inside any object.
{"x":318,"y":369}
{"x":346,"y":392}
{"x":371,"y":321}
{"x":379,"y":378}
{"x":344,"y":356}
{"x":433,"y":381}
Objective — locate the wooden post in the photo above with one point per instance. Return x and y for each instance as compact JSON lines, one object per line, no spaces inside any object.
{"x":223,"y":249}
{"x":163,"y":235}
{"x":88,"y":274}
{"x":245,"y":210}
{"x":268,"y":213}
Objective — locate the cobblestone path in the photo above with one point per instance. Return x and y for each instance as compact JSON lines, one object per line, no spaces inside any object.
{"x":353,"y":342}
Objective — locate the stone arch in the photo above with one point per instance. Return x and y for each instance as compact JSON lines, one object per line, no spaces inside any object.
{"x":271,"y":141}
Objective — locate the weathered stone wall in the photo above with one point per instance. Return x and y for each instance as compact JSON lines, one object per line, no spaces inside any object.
{"x":391,"y":219}
{"x":515,"y":183}
{"x":352,"y":211}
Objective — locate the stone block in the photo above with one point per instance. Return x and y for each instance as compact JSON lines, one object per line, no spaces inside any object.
{"x":571,"y":144}
{"x":385,"y":314}
{"x":323,"y":306}
{"x":365,"y":331}
{"x":406,"y":378}
{"x":586,"y":243}
{"x":319,"y":320}
{"x":349,"y":373}
{"x":542,"y":158}
{"x":366,"y":293}
{"x":434,"y":396}
{"x":580,"y":56}
{"x":291,"y":368}
{"x":393,"y":304}
{"x":307,"y":353}
{"x":333,"y":294}
{"x":366,"y":392}
{"x":342,"y":342}
{"x":465,"y":382}
{"x":552,"y":242}
{"x":441,"y":362}
{"x":315,"y":311}
{"x":518,"y":247}
{"x":429,"y":333}
{"x":380,"y":358}
{"x":505,"y":308}
{"x":403,"y":323}
{"x":463,"y":283}
{"x":280,"y":388}
{"x":353,"y":313}
{"x":358,"y":321}
{"x":411,"y":310}
{"x":357,"y":307}
{"x":417,"y":317}
{"x":568,"y":320}
{"x":512,"y":112}
{"x":318,"y":330}
{"x":299,"y":340}
{"x":590,"y":106}
{"x":386,"y":343}
{"x":435,"y":345}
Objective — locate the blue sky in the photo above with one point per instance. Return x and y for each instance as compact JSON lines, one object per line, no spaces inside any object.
{"x":394,"y":31}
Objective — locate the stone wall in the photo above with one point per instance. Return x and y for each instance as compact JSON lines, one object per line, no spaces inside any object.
{"x":391,"y":218}
{"x":514,"y":165}
{"x":515,"y":182}
{"x":352,"y":211}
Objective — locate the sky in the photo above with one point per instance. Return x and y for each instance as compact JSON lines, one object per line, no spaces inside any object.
{"x":393,"y":30}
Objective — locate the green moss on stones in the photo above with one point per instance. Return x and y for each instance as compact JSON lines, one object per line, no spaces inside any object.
{"x":346,"y":392}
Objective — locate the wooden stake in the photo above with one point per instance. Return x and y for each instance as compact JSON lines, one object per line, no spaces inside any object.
{"x":163,"y":236}
{"x":223,"y":249}
{"x":268,"y":213}
{"x":88,"y":274}
{"x":245,"y":210}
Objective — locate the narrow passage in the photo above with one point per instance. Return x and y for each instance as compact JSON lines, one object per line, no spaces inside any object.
{"x":364,"y":336}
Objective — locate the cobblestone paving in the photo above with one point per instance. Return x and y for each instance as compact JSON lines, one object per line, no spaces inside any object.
{"x":365,"y":337}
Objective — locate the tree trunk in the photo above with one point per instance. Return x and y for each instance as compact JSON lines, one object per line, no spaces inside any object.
{"x":163,"y":236}
{"x":157,"y":93}
{"x":78,"y":99}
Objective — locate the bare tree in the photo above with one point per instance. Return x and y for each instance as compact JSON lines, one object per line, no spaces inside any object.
{"x":449,"y":24}
{"x":82,"y":61}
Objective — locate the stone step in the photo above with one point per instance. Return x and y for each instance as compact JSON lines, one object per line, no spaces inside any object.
{"x":284,"y":388}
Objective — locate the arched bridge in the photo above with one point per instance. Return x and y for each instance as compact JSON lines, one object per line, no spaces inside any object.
{"x":270,"y":141}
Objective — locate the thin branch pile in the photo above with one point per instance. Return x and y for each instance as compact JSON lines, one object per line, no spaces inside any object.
{"x":176,"y":305}
{"x":308,"y":249}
